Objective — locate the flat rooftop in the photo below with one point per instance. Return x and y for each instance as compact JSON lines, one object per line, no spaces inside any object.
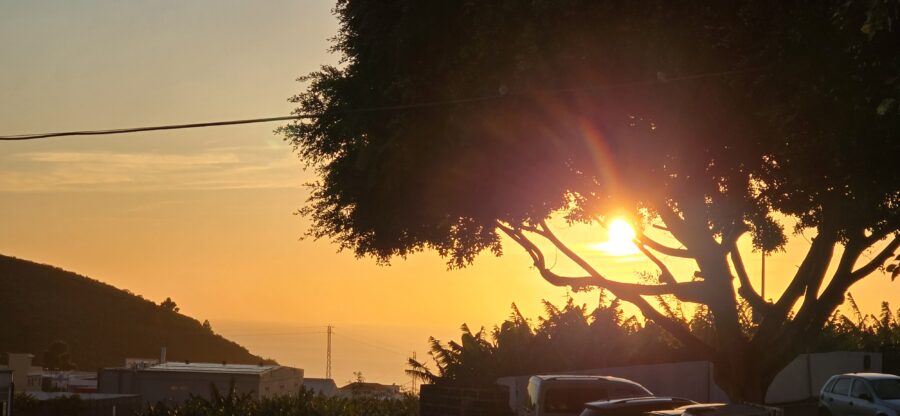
{"x":210,"y":368}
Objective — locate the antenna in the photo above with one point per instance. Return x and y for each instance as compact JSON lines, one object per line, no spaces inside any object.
{"x":328,"y":354}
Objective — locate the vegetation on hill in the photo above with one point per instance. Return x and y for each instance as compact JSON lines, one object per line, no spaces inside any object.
{"x":572,"y":337}
{"x":100,"y":324}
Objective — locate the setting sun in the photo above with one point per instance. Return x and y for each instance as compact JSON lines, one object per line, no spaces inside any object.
{"x":619,"y":239}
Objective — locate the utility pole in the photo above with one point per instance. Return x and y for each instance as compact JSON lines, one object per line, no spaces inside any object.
{"x":414,"y":376}
{"x":763,"y":275}
{"x":328,"y":354}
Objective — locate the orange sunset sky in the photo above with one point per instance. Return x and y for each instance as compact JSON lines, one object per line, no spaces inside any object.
{"x":207,"y":216}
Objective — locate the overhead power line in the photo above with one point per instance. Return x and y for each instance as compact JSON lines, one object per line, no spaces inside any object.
{"x":661,"y":79}
{"x":20,"y":137}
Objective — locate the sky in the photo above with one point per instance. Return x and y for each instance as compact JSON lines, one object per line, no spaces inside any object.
{"x":207,"y":216}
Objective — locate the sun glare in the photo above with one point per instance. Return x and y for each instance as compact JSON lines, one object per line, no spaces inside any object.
{"x":619,"y":236}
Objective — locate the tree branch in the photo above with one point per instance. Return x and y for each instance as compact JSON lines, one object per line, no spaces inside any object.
{"x":814,"y":266}
{"x":746,"y":289}
{"x":687,"y":291}
{"x":620,"y":290}
{"x":814,"y":313}
{"x":663,"y":249}
{"x":665,"y":275}
{"x":878,"y":261}
{"x":626,"y":291}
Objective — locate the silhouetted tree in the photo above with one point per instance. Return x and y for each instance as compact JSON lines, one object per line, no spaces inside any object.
{"x":206,"y":325}
{"x":452,"y":123}
{"x":57,"y":357}
{"x":169,"y":305}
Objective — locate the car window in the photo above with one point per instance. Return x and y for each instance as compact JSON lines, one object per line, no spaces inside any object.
{"x":841,"y":387}
{"x":887,"y":389}
{"x":829,"y":384}
{"x":859,"y":389}
{"x":572,"y":399}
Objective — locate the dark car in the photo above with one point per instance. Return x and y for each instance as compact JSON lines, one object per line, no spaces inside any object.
{"x":634,"y":406}
{"x":720,"y":409}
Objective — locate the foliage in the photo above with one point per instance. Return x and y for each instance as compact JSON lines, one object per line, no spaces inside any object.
{"x":306,"y":403}
{"x":450,"y":124}
{"x":567,"y":338}
{"x":102,"y":325}
{"x":25,"y":404}
{"x":570,"y":338}
{"x":57,"y":357}
{"x":169,"y":305}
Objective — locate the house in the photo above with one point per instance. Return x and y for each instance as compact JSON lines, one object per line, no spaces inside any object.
{"x":375,"y":390}
{"x":70,"y":381}
{"x":177,"y":381}
{"x":25,"y":377}
{"x":323,"y":386}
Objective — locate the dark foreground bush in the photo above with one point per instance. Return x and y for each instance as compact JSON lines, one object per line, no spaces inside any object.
{"x":306,"y":403}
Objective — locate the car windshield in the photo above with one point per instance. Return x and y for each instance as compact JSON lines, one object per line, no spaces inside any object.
{"x":625,"y":390}
{"x":888,"y":389}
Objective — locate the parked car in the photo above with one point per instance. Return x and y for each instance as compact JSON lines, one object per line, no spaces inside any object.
{"x":860,"y":394}
{"x":720,"y":409}
{"x":566,"y":395}
{"x":635,"y":406}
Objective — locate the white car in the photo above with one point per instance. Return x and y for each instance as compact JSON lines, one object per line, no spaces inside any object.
{"x":861,"y":394}
{"x":566,"y":395}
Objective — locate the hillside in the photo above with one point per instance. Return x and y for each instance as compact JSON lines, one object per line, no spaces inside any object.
{"x":101,"y":324}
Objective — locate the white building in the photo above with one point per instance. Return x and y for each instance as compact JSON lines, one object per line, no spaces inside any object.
{"x":27,"y":378}
{"x":176,"y":381}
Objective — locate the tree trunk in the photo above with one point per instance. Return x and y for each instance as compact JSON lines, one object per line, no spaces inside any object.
{"x":745,"y":375}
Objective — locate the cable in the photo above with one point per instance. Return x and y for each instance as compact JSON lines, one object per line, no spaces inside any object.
{"x":370,"y":344}
{"x":661,"y":79}
{"x":264,"y":334}
{"x":21,"y":137}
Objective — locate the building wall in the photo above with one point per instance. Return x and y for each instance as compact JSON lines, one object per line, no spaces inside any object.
{"x":5,"y":391}
{"x":281,"y":381}
{"x":161,"y":386}
{"x":804,"y":377}
{"x":25,"y":376}
{"x":156,"y":386}
{"x":323,"y":386}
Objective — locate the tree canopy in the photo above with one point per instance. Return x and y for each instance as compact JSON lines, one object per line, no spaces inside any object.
{"x":450,"y":124}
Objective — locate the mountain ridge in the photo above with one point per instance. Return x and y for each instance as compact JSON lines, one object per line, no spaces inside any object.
{"x":101,"y":324}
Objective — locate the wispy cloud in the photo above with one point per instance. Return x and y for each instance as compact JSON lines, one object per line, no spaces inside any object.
{"x":226,"y":168}
{"x":146,"y":160}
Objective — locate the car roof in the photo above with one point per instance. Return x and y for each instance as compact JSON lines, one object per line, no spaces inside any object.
{"x":871,"y":376}
{"x":633,"y":401}
{"x":580,"y":377}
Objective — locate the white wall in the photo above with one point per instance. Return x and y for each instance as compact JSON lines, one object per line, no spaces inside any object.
{"x":804,"y":377}
{"x":800,"y":380}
